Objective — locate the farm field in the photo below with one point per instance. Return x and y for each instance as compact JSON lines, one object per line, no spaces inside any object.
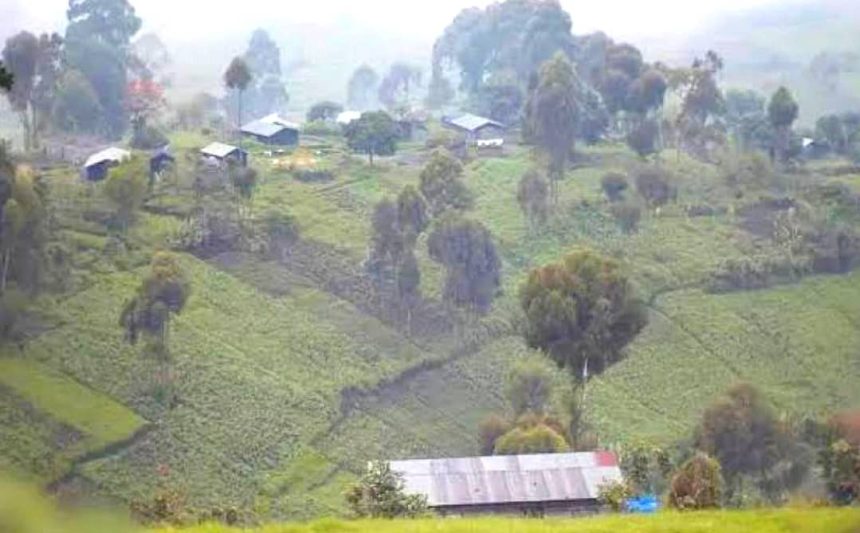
{"x":288,"y":377}
{"x":783,"y":521}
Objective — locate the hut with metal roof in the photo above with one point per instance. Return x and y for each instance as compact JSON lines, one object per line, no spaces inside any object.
{"x":272,"y":130}
{"x":97,"y":165}
{"x":542,"y":484}
{"x":222,"y":153}
{"x":474,"y":127}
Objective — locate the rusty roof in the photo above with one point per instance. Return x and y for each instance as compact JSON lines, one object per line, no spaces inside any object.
{"x":509,"y":479}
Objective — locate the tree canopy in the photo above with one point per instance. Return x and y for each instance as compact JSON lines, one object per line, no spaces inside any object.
{"x":375,"y":133}
{"x":361,"y":91}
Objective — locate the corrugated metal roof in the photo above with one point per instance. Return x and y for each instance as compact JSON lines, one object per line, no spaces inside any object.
{"x":473,"y":123}
{"x":219,"y":150}
{"x":116,"y":155}
{"x":275,"y":118}
{"x":263,"y":129}
{"x":509,"y":479}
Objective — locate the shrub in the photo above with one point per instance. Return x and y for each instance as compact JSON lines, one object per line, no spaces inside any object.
{"x":698,"y":484}
{"x":313,"y":175}
{"x":441,"y":139}
{"x":615,"y":495}
{"x":628,"y":215}
{"x":380,"y":494}
{"x":653,"y":184}
{"x":489,"y":431}
{"x":321,"y":128}
{"x":148,"y":138}
{"x":614,"y":184}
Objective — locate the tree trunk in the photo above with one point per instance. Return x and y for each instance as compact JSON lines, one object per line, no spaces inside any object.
{"x":6,"y":259}
{"x":370,"y":155}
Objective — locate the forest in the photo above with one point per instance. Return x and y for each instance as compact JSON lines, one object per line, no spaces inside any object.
{"x":218,"y":305}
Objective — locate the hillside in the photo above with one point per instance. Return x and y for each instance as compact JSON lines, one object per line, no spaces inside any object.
{"x":289,"y":375}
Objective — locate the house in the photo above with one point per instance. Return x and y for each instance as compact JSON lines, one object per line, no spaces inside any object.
{"x":474,"y":127}
{"x":272,"y":130}
{"x":160,"y":161}
{"x":97,"y":165}
{"x":347,"y":117}
{"x":221,"y":153}
{"x":412,"y":125}
{"x":543,"y":484}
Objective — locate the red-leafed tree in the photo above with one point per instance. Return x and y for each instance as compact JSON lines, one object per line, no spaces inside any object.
{"x":144,"y":99}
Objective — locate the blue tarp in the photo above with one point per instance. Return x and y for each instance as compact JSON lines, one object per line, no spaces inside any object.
{"x":643,"y":504}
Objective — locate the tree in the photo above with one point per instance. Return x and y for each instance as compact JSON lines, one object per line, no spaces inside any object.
{"x":412,"y":211}
{"x":614,"y":184}
{"x":490,"y":430}
{"x":527,"y":440}
{"x":126,"y":188}
{"x":702,"y":103}
{"x":152,"y":59}
{"x":380,"y":493}
{"x":742,"y":432}
{"x":7,"y":79}
{"x":375,"y":133}
{"x":697,"y":484}
{"x":502,"y":102}
{"x":21,"y":56}
{"x":646,"y":467}
{"x":643,"y":138}
{"x":782,"y":112}
{"x":441,"y":183}
{"x":747,"y":120}
{"x":266,"y":93}
{"x":238,"y":77}
{"x":144,"y":100}
{"x":282,"y":232}
{"x":581,"y":313}
{"x":647,"y":92}
{"x":396,"y":85}
{"x":77,"y":107}
{"x":839,"y":457}
{"x":362,"y":88}
{"x":163,"y":293}
{"x":552,"y":114}
{"x":832,"y":130}
{"x":529,"y":387}
{"x":23,"y":231}
{"x":244,"y":182}
{"x":439,"y":91}
{"x":533,"y":197}
{"x":325,"y":111}
{"x":97,"y":45}
{"x":467,"y":251}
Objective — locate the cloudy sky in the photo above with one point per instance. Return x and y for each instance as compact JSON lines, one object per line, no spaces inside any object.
{"x":179,"y":20}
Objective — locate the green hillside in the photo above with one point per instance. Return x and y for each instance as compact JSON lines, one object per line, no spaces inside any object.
{"x":289,"y":375}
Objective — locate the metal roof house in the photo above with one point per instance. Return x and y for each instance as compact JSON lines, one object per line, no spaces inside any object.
{"x":347,"y":117}
{"x":475,"y":127}
{"x":97,"y":165}
{"x":272,"y":130}
{"x":543,"y":484}
{"x":222,"y":152}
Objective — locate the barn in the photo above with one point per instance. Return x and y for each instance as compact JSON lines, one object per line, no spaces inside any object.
{"x":273,"y":133}
{"x":222,"y":153}
{"x":97,"y":165}
{"x":532,"y":485}
{"x":474,"y":127}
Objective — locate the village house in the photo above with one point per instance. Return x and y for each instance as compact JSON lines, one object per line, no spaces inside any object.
{"x":272,"y":130}
{"x":475,"y":128}
{"x":97,"y":165}
{"x":222,"y":153}
{"x":542,"y":484}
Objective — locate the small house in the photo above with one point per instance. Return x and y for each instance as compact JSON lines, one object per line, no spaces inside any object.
{"x":541,"y":484}
{"x":273,"y":131}
{"x":97,"y":165}
{"x":222,"y":153}
{"x":348,"y":117}
{"x":475,"y":128}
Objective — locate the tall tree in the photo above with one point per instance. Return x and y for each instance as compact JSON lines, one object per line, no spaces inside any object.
{"x":126,"y":189}
{"x":163,"y":293}
{"x":21,"y":56}
{"x":395,"y":87}
{"x":552,"y":114}
{"x":325,"y":111}
{"x":362,"y":88}
{"x":467,"y":251}
{"x":238,"y":77}
{"x":442,"y":184}
{"x":581,"y":312}
{"x":7,"y":79}
{"x":533,"y":197}
{"x":529,"y":387}
{"x":412,"y":212}
{"x":375,"y":133}
{"x":782,"y":112}
{"x":97,"y":45}
{"x":77,"y":107}
{"x":23,"y":232}
{"x":266,"y":93}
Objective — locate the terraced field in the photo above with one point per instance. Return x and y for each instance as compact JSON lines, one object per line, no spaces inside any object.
{"x":289,"y":376}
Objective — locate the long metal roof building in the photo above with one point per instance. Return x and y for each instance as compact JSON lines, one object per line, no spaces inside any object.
{"x":564,"y":482}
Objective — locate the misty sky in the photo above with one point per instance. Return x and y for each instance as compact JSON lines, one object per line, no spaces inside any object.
{"x":180,"y":20}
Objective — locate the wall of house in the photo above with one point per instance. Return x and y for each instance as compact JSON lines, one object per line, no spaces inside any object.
{"x":558,"y":508}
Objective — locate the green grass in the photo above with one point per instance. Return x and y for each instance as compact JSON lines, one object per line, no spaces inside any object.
{"x":781,"y":521}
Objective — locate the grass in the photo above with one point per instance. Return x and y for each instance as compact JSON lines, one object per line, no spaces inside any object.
{"x":765,"y":521}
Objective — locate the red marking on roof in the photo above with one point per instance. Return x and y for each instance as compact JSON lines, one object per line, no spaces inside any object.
{"x":605,"y":459}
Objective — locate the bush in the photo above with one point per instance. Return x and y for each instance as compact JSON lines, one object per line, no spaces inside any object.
{"x":313,"y":175}
{"x":698,"y":484}
{"x":489,"y":431}
{"x":628,"y":215}
{"x":654,"y":185}
{"x":615,"y":495}
{"x":614,"y":184}
{"x":321,"y":128}
{"x":442,"y":139}
{"x":380,"y":494}
{"x":533,"y":434}
{"x":148,"y":138}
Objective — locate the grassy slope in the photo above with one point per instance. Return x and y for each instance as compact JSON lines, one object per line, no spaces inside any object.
{"x":261,"y":354}
{"x":783,"y":521}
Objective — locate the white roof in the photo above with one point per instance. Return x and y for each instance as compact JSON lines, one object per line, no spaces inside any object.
{"x":219,"y":150}
{"x":116,"y":155}
{"x":473,"y":123}
{"x":278,"y":120}
{"x":348,"y":116}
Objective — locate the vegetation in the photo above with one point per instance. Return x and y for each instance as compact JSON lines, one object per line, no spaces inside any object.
{"x":379,"y":494}
{"x":697,"y":484}
{"x":375,"y":133}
